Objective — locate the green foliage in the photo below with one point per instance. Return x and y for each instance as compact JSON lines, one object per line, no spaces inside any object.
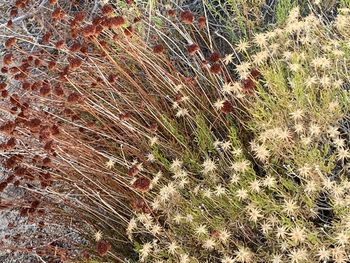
{"x":283,"y":9}
{"x":345,"y":3}
{"x":204,"y":135}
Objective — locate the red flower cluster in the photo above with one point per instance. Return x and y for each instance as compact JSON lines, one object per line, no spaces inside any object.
{"x":142,"y":184}
{"x":8,"y":59}
{"x":107,"y":9}
{"x":133,"y":171}
{"x":227,"y":107}
{"x":192,"y":49}
{"x":215,"y":68}
{"x":171,"y":12}
{"x":158,"y":49}
{"x":214,"y":57}
{"x":103,"y":247}
{"x":13,"y":12}
{"x":187,"y":17}
{"x":202,"y":22}
{"x":75,"y":97}
{"x":9,"y":43}
{"x":75,"y":63}
{"x":58,"y":14}
{"x":249,"y":84}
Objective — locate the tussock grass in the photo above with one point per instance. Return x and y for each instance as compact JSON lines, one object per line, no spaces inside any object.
{"x":173,"y":147}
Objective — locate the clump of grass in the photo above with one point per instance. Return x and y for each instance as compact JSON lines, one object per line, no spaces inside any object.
{"x":170,"y":146}
{"x":282,"y":196}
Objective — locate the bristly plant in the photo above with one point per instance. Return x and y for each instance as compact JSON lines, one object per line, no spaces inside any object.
{"x":172,"y":144}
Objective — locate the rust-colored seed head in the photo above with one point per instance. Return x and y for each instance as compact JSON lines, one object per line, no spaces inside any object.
{"x":24,"y":67}
{"x":15,"y":100}
{"x":59,"y":44}
{"x":107,"y":9}
{"x":99,"y":29}
{"x":192,"y":49}
{"x":10,"y":179}
{"x":75,"y":63}
{"x":133,"y":171}
{"x":248,"y":85}
{"x":20,"y":4}
{"x":75,"y":47}
{"x":97,"y":20}
{"x":68,"y":112}
{"x":46,"y":38}
{"x":45,"y":90}
{"x":13,"y":12}
{"x":14,"y":70}
{"x":58,"y":90}
{"x":255,"y":73}
{"x":112,"y":78}
{"x":3,"y":185}
{"x":79,"y":17}
{"x":3,"y":86}
{"x":215,"y":68}
{"x":11,"y":143}
{"x":26,"y":85}
{"x":74,"y":32}
{"x":74,"y":24}
{"x":20,"y":76}
{"x":8,"y":127}
{"x":171,"y":12}
{"x":86,"y":256}
{"x":51,"y":65}
{"x":227,"y":107}
{"x":142,"y":184}
{"x":137,"y":19}
{"x":153,"y":127}
{"x":214,"y":57}
{"x":84,"y":49}
{"x":34,"y":123}
{"x":158,"y":49}
{"x":57,"y":14}
{"x":49,"y":146}
{"x":46,"y":161}
{"x":116,"y":21}
{"x":139,"y":205}
{"x":20,"y":171}
{"x":11,"y":162}
{"x":14,"y":109}
{"x":115,"y":37}
{"x":202,"y":22}
{"x":103,"y":247}
{"x":75,"y":97}
{"x":38,"y":62}
{"x":187,"y":17}
{"x":88,"y":31}
{"x":34,"y":204}
{"x":4,"y":70}
{"x":9,"y":23}
{"x":45,"y":133}
{"x":10,"y":42}
{"x":128,"y":31}
{"x":64,"y":73}
{"x":125,"y":116}
{"x":8,"y":59}
{"x":35,"y":85}
{"x":52,"y":2}
{"x":55,"y":130}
